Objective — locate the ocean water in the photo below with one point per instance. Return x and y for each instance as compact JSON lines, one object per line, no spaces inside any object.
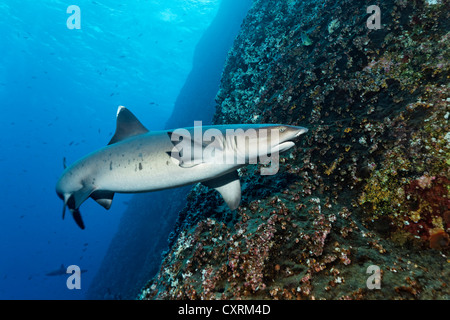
{"x":59,"y":93}
{"x":366,"y":189}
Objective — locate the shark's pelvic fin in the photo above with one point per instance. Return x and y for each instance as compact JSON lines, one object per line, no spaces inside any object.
{"x":103,"y":198}
{"x":127,"y":126}
{"x":229,"y":187}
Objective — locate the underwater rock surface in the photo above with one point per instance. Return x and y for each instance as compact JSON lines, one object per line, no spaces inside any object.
{"x":366,"y":188}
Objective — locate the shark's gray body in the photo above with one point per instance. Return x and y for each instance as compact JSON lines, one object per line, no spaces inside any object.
{"x":138,"y":160}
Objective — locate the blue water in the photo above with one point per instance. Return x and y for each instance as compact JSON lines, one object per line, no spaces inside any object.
{"x":59,"y":92}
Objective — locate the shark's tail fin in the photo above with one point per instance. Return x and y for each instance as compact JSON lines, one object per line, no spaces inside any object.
{"x":64,"y":211}
{"x":77,"y":217}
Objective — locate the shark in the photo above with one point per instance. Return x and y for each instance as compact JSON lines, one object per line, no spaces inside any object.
{"x":62,"y":271}
{"x":137,"y":160}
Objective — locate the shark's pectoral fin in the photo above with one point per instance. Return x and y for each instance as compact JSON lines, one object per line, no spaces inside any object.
{"x":188,"y":164}
{"x":185,"y":150}
{"x":103,"y":198}
{"x":190,"y":152}
{"x":229,"y":187}
{"x":77,"y":217}
{"x":177,"y":159}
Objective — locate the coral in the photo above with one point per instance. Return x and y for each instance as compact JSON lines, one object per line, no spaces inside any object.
{"x":411,"y":185}
{"x":369,"y":183}
{"x":439,"y":239}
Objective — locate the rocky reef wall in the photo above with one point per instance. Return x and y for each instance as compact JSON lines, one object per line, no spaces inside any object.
{"x":368,"y":186}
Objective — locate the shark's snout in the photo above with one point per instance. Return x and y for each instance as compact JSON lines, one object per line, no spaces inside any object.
{"x":301,"y":131}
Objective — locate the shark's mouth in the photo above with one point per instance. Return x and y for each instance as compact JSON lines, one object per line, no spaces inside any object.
{"x":283,"y":146}
{"x":300,"y":132}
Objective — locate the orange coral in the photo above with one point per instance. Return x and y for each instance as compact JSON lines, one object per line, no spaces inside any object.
{"x":446,"y":216}
{"x":439,"y":239}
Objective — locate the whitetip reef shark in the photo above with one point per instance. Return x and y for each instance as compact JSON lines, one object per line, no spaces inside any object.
{"x":138,"y":160}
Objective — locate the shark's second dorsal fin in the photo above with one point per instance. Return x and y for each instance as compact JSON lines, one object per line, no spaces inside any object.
{"x":127,"y":126}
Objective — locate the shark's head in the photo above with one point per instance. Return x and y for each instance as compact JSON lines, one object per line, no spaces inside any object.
{"x":283,"y":137}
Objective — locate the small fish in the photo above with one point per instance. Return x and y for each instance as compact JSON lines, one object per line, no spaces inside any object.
{"x":306,"y":41}
{"x":62,"y":271}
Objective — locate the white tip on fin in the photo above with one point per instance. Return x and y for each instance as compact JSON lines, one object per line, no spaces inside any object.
{"x":119,"y":109}
{"x":127,"y":126}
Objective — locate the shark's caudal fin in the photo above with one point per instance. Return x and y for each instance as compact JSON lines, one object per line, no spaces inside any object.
{"x":127,"y":126}
{"x":229,"y":187}
{"x":77,"y":217}
{"x":103,"y":198}
{"x":73,"y":202}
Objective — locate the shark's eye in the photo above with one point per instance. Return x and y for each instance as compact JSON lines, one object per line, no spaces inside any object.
{"x":282,"y":130}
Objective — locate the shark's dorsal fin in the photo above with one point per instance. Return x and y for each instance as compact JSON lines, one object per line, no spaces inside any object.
{"x":127,"y":126}
{"x":229,"y":187}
